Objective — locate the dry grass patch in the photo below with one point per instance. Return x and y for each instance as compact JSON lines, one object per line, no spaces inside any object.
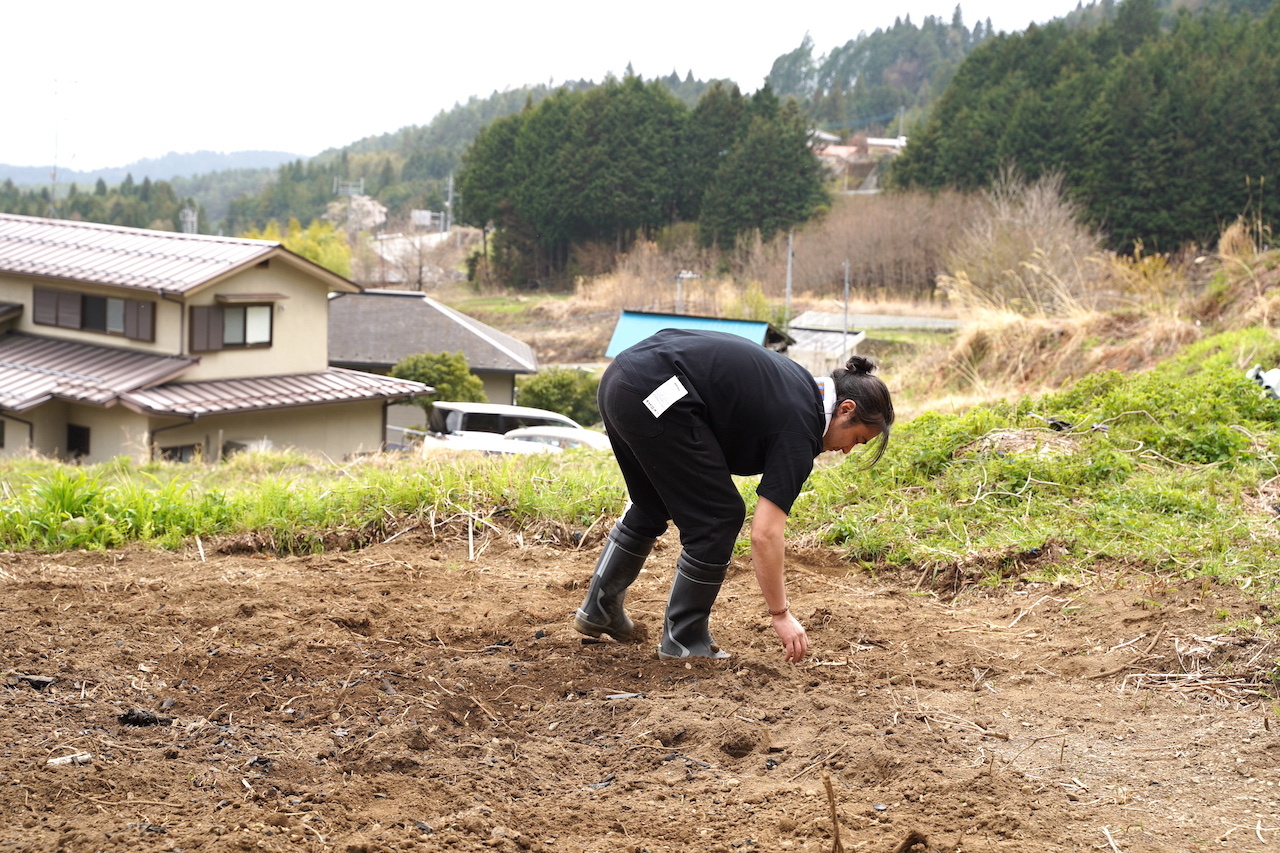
{"x":1007,"y":354}
{"x":1005,"y":442}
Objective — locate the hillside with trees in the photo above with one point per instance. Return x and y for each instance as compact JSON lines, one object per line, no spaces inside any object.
{"x":170,"y":167}
{"x":878,"y":83}
{"x":149,"y":204}
{"x":1161,"y":132}
{"x":618,"y":162}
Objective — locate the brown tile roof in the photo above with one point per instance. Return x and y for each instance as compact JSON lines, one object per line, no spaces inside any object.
{"x":226,"y":396}
{"x":34,"y":370}
{"x":157,"y":261}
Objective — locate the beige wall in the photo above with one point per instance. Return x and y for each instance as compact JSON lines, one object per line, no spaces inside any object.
{"x":16,"y":438}
{"x":299,"y":333}
{"x":112,"y":432}
{"x":406,"y":415}
{"x":336,"y":431}
{"x":498,"y":387}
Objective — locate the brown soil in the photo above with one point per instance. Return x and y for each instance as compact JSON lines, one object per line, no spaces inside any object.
{"x":431,"y":695}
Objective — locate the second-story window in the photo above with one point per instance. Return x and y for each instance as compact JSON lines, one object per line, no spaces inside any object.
{"x":217,"y":327}
{"x":111,"y":315}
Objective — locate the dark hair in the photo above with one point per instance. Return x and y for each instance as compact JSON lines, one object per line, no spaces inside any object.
{"x":874,"y":404}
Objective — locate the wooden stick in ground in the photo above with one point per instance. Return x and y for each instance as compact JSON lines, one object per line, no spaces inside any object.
{"x":837,"y":846}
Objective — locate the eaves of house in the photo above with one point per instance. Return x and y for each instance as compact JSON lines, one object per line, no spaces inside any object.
{"x":231,"y":396}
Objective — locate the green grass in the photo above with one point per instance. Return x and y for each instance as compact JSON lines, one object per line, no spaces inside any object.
{"x":1156,"y":472}
{"x":290,"y":502}
{"x":1163,"y":472}
{"x":504,"y":310}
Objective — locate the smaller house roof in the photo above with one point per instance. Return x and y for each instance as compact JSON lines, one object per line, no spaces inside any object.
{"x":826,"y":341}
{"x":635,"y":326}
{"x":377,"y":328}
{"x":836,"y":322}
{"x":34,"y":370}
{"x":228,"y":396}
{"x":137,"y":258}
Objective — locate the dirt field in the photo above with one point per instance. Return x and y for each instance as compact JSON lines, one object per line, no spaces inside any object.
{"x":430,"y":695}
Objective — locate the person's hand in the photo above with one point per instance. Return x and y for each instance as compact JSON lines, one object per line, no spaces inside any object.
{"x":794,"y":640}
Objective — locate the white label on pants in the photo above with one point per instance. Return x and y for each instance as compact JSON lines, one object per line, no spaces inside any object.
{"x":668,"y":392}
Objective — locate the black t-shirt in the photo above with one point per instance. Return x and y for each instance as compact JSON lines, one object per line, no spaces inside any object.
{"x":764,"y":409}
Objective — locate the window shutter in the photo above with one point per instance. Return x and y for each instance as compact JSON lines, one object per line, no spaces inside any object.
{"x":44,"y":306}
{"x":139,"y":320}
{"x":206,"y":328}
{"x":68,"y":310}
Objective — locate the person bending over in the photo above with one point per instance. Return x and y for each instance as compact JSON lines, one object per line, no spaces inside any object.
{"x":687,"y":410}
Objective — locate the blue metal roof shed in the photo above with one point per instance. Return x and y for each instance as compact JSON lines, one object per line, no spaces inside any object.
{"x":635,"y":326}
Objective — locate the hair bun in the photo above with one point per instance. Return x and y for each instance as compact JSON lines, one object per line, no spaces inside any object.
{"x":860,"y":364}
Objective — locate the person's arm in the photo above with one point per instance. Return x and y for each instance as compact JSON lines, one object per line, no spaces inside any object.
{"x":767,"y":548}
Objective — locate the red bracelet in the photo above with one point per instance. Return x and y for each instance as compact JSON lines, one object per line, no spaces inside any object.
{"x":780,"y":612}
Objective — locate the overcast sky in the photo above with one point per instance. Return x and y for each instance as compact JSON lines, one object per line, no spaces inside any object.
{"x":95,"y":84}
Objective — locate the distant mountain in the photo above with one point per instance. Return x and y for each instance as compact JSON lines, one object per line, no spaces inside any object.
{"x":171,"y":165}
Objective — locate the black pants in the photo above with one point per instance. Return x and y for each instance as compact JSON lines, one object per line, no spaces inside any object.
{"x":674,"y":470}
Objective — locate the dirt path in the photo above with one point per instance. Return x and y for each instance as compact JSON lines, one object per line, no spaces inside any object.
{"x":408,"y":697}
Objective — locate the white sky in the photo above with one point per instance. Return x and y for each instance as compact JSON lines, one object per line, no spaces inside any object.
{"x":100,"y":84}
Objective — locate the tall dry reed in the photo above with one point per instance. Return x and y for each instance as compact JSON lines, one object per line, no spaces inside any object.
{"x":1026,"y":252}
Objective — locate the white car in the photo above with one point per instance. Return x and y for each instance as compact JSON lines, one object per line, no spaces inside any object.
{"x":559,"y":437}
{"x":482,"y":427}
{"x":482,"y":442}
{"x":449,"y":418}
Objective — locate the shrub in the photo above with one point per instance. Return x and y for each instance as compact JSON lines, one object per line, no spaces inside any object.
{"x":447,"y":372}
{"x":559,"y":389}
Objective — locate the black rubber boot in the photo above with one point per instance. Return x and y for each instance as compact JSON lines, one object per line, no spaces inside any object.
{"x":619,"y":564}
{"x":684,"y":631}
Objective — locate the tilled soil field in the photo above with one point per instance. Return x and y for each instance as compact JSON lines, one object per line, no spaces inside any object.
{"x":426,"y":694}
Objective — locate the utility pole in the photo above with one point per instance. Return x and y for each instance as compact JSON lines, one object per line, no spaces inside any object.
{"x":680,"y":277}
{"x":844,"y":348}
{"x":448,"y":208}
{"x":790,"y":254}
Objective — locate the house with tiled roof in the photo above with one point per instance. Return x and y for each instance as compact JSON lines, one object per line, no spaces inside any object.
{"x":152,"y":344}
{"x":374,"y":329}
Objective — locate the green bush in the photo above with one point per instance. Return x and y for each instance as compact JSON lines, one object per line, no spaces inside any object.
{"x":447,"y":372}
{"x":559,"y":389}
